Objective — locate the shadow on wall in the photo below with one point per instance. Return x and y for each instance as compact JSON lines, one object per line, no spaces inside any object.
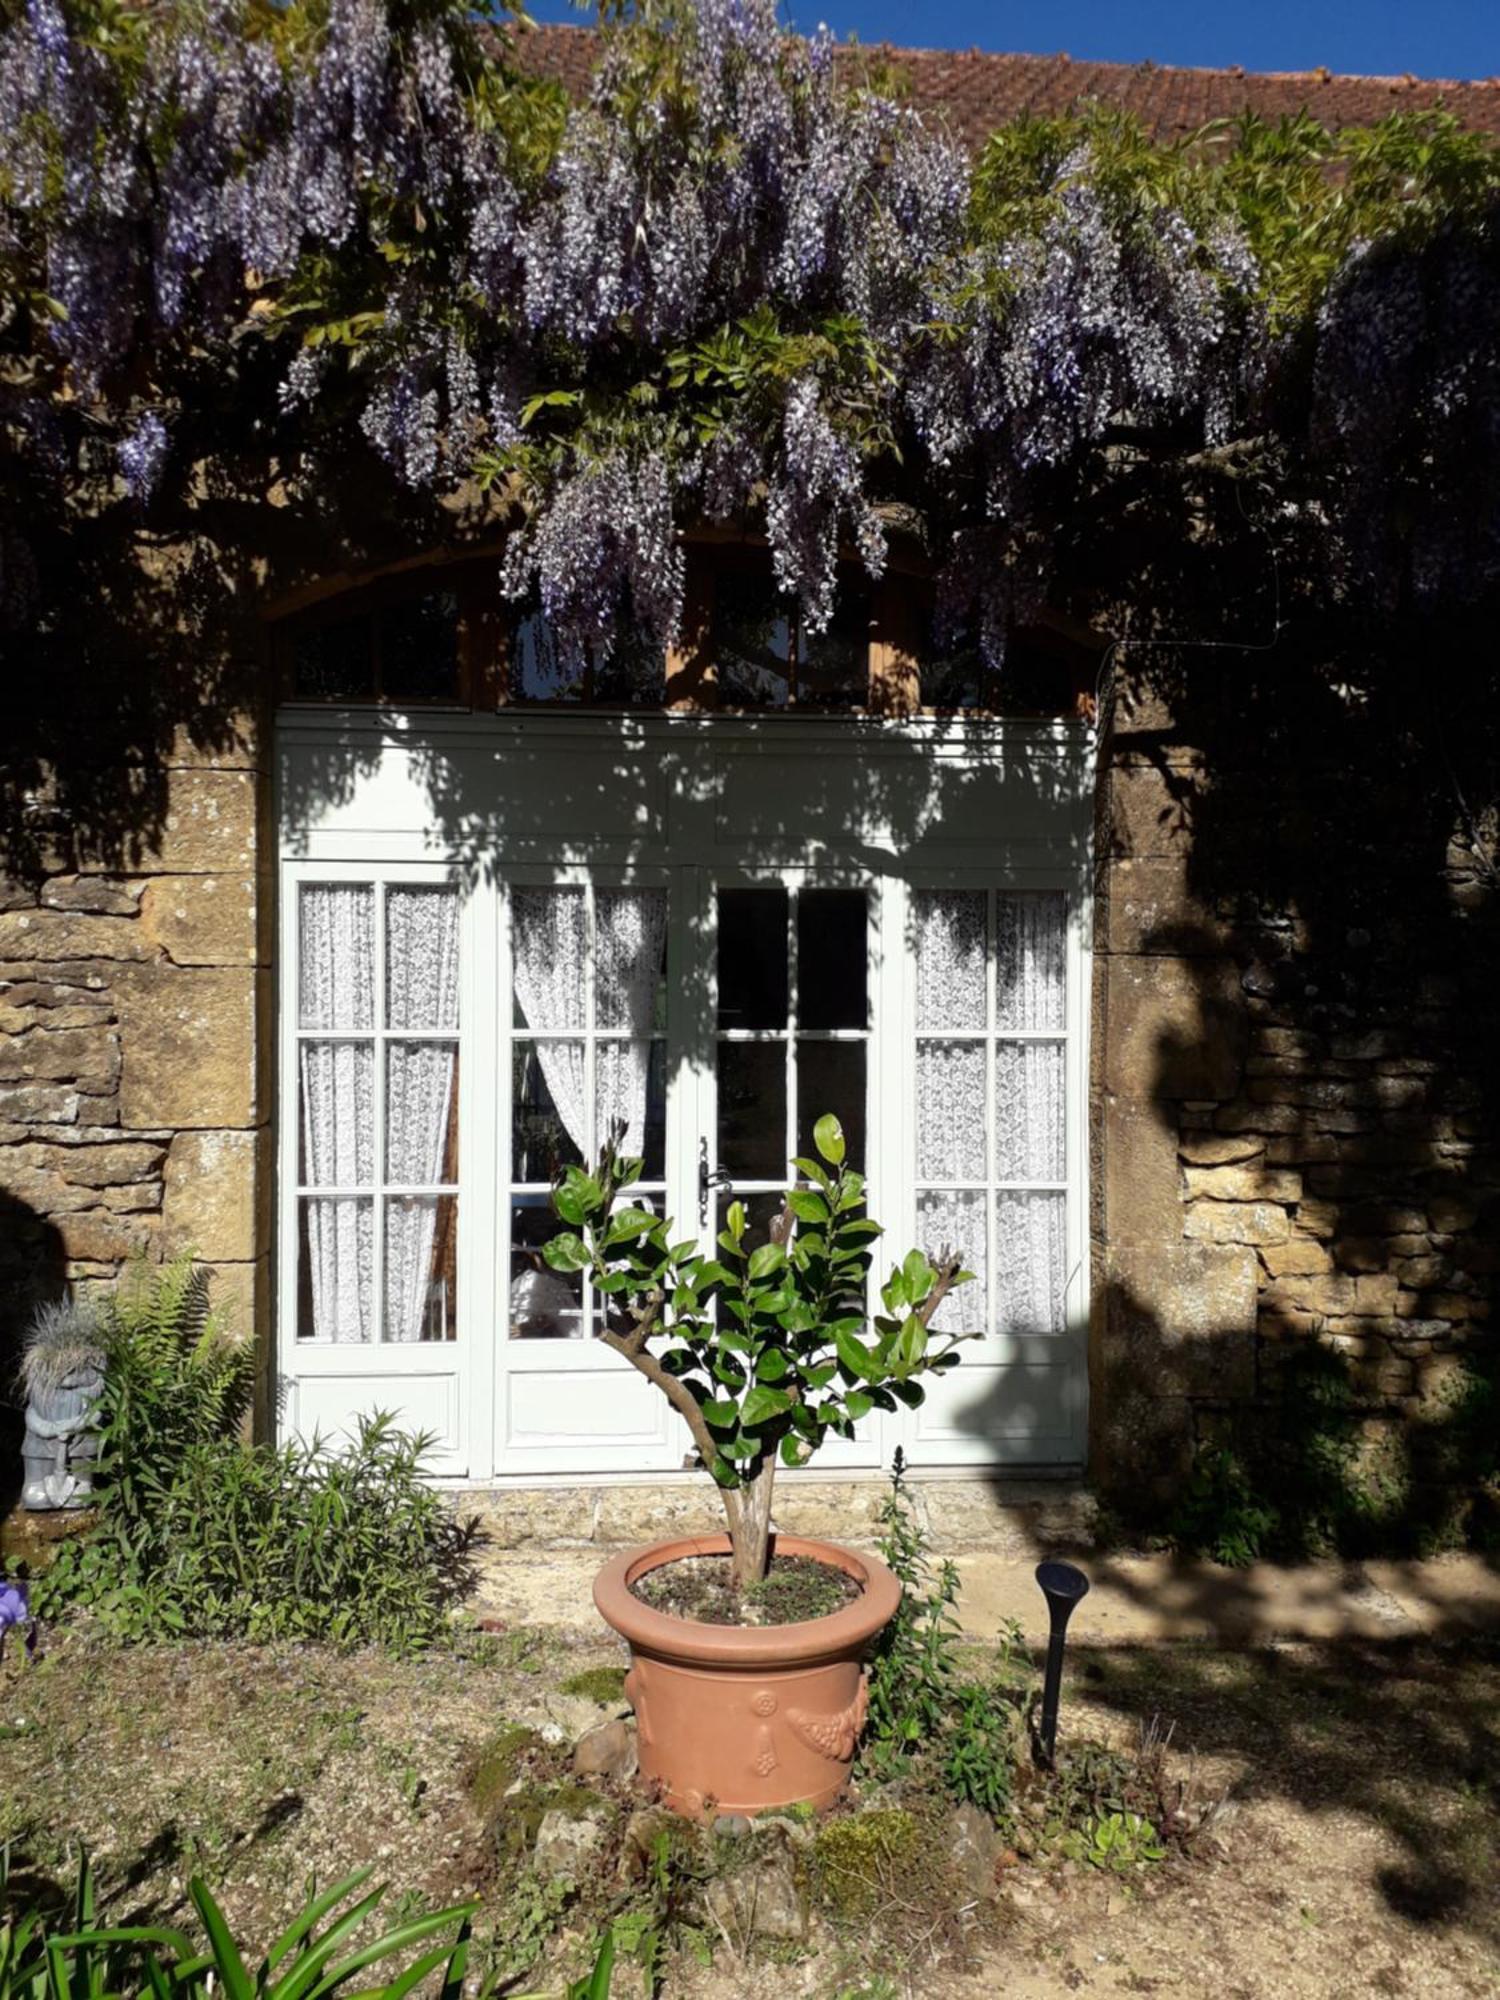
{"x":31,"y":1274}
{"x":1302,"y":925}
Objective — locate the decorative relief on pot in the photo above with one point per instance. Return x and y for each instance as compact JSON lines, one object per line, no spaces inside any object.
{"x":765,"y":1760}
{"x":833,"y":1736}
{"x":764,"y":1703}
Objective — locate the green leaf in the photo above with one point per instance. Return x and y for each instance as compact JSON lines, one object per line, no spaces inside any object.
{"x":811,"y":1171}
{"x":795,"y":1450}
{"x":233,"y":1975}
{"x":919,"y":1276}
{"x":765,"y":1259}
{"x":569,"y":1205}
{"x":566,"y":1252}
{"x":720,"y":1416}
{"x":734,"y":1221}
{"x":911,"y":1344}
{"x":828,"y":1137}
{"x":772,"y":1365}
{"x":807,"y":1205}
{"x":762,"y":1405}
{"x":854,"y":1355}
{"x":724,"y":1473}
{"x":629,"y":1223}
{"x":858,"y":1404}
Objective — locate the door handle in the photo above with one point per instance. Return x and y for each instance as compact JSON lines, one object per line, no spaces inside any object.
{"x":709,"y":1178}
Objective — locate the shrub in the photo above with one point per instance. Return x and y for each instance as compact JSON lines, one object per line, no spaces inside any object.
{"x":914,"y":1671}
{"x":201,"y":1534}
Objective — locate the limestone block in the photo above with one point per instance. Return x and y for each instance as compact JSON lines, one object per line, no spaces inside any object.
{"x":16,"y":895}
{"x":210,"y":823}
{"x":1242,"y":1183}
{"x":1304,"y":1256}
{"x":1149,"y":809}
{"x":190,"y":1054}
{"x":1140,"y":1178}
{"x":516,"y":1518}
{"x":1176,"y":1028}
{"x":234,"y":745}
{"x":202,"y":919}
{"x":210,"y":1203}
{"x":100,"y":1238}
{"x":1254,"y":1222}
{"x":38,"y":1103}
{"x":1376,"y":1293}
{"x":89,"y":1057}
{"x":1178,"y":1320}
{"x":1220,"y":1149}
{"x":20,"y":1020}
{"x":110,"y":1164}
{"x":46,"y":936}
{"x":1317,"y":1218}
{"x":1332,"y":1292}
{"x":1151,"y":909}
{"x":99,"y":895}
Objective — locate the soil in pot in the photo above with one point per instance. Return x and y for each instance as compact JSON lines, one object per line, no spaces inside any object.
{"x":699,"y":1589}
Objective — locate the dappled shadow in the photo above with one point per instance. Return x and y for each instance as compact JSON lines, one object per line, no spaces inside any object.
{"x":1406,"y":1738}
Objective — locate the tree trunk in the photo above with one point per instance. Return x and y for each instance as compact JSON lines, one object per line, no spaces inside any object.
{"x":750,"y":1528}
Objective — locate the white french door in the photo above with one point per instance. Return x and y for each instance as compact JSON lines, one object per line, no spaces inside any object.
{"x":453,"y":1035}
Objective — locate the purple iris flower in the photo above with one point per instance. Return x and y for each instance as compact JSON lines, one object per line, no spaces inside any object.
{"x":15,"y":1609}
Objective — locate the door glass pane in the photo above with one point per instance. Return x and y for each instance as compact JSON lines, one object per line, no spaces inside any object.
{"x":831,"y":1077}
{"x":421,"y":958}
{"x":833,"y":958}
{"x":1031,"y":936}
{"x":1030,"y":1262}
{"x":630,"y":928}
{"x":549,"y":949}
{"x":421,"y":1267}
{"x":950,"y":1111}
{"x":421,"y":1113}
{"x":544,"y":1304}
{"x":335,"y":1269}
{"x":547,"y":1107}
{"x":752,"y":953}
{"x":336,"y":956}
{"x":955,"y":1223}
{"x":833,"y":667}
{"x":334,"y":662}
{"x":752,"y":1110}
{"x":1029,"y":1111}
{"x":950,"y":953}
{"x":337,"y":1123}
{"x":630,"y":1088}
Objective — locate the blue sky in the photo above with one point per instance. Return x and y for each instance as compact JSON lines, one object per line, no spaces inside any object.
{"x":1446,"y":38}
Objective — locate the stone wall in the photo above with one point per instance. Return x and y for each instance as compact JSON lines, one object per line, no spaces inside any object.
{"x":134,"y":1016}
{"x":1295,"y":1088}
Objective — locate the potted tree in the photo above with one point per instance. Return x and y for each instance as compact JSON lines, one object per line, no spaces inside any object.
{"x":765,"y":1352}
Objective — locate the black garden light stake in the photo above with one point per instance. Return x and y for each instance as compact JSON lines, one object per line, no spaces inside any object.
{"x":1063,"y":1586}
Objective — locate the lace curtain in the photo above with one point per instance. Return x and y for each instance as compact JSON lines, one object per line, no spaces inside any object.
{"x":965,"y":1064}
{"x":337,"y":989}
{"x":421,"y":992}
{"x":549,"y":944}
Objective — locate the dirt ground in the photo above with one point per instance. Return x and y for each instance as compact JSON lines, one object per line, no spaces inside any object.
{"x":1357,"y":1850}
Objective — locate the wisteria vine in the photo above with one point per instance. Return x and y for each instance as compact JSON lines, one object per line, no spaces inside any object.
{"x":738,"y":282}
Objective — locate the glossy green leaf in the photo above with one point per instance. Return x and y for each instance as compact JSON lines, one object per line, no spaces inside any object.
{"x":828,"y":1137}
{"x":762,"y":1405}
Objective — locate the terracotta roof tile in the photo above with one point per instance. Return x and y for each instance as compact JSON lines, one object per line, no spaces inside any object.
{"x":976,"y":91}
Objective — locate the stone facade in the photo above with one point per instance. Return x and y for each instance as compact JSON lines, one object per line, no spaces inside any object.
{"x":1294,"y":1085}
{"x":135,"y":1010}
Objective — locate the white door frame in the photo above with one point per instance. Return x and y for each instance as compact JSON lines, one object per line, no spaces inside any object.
{"x":490,"y":800}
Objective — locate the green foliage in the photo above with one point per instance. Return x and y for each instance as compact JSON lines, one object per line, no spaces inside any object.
{"x":1298,"y":1478}
{"x":320,"y":1952}
{"x":983,"y":1745}
{"x":767,"y":1350}
{"x":602,"y":1684}
{"x":914,"y":1671}
{"x":1119,"y":1842}
{"x":200,"y":1534}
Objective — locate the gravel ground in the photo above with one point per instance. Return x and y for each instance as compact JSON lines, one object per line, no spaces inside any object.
{"x":1357,"y":1850}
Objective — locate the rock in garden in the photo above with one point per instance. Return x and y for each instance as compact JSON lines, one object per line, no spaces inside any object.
{"x":973,"y":1849}
{"x":763,"y":1899}
{"x":731,"y":1826}
{"x":568,"y":1844}
{"x":607,"y":1751}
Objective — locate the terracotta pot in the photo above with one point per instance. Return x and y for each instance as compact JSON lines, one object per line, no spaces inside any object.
{"x":746,"y":1718}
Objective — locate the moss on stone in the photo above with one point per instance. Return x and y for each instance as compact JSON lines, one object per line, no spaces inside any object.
{"x":500,"y":1763}
{"x":606,"y":1685}
{"x":855,"y":1856}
